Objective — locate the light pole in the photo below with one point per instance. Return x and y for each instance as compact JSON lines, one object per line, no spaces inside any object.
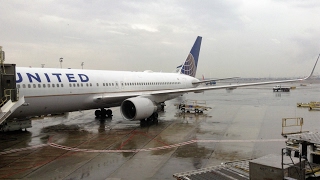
{"x":82,"y":64}
{"x":42,"y":65}
{"x":61,"y":60}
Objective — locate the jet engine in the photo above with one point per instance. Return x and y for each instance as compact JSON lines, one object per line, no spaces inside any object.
{"x":137,"y":108}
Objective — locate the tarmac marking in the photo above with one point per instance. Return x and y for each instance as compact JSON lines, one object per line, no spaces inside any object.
{"x":137,"y":150}
{"x":140,"y":133}
{"x":160,"y":147}
{"x":22,"y":149}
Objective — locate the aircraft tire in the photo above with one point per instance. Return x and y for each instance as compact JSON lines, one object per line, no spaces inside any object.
{"x":109,"y":113}
{"x":155,"y":118}
{"x":155,"y":115}
{"x":97,"y":113}
{"x":143,"y":123}
{"x":103,"y":112}
{"x":155,"y":121}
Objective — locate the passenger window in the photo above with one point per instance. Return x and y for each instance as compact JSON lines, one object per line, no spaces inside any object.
{"x":61,"y":85}
{"x":39,"y":85}
{"x":29,"y":85}
{"x":57,"y":85}
{"x":23,"y":86}
{"x":70,"y":85}
{"x":18,"y":86}
{"x":97,"y":84}
{"x":53,"y":85}
{"x":44,"y":85}
{"x":48,"y":85}
{"x":34,"y":86}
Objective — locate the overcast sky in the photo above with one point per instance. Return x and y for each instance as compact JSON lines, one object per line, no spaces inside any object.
{"x":249,"y":38}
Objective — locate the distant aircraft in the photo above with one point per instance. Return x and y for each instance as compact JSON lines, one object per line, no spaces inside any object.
{"x":209,"y":81}
{"x":213,"y":81}
{"x":139,"y":94}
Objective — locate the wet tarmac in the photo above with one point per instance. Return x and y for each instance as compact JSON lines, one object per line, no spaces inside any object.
{"x":244,"y":123}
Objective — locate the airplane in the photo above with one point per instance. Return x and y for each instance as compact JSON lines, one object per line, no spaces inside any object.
{"x":140,"y":95}
{"x":209,"y":81}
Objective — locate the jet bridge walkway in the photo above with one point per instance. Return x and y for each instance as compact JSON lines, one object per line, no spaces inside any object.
{"x":9,"y":95}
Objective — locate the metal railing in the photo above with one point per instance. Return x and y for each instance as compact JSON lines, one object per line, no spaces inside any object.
{"x":8,"y":93}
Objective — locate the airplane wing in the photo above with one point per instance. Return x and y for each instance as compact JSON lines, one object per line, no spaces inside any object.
{"x":109,"y":97}
{"x":201,"y":89}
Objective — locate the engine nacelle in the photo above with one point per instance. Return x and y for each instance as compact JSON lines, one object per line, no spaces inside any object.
{"x":137,"y":108}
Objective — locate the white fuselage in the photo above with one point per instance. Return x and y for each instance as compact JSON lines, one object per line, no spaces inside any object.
{"x":50,"y":91}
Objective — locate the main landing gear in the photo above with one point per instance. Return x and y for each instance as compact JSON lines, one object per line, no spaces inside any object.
{"x":153,"y":119}
{"x":103,"y":113}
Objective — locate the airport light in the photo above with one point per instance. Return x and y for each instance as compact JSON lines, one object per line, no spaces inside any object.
{"x":61,"y":60}
{"x":82,"y":64}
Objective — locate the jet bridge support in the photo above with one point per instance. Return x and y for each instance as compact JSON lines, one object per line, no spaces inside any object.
{"x":9,"y":95}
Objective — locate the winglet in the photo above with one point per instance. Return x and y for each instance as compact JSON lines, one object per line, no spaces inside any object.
{"x":189,"y":67}
{"x":312,"y":69}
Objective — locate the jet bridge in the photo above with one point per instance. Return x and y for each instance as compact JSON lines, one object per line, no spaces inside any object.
{"x":9,"y":95}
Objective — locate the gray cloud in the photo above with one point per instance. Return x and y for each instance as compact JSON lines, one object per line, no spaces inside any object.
{"x":243,"y":38}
